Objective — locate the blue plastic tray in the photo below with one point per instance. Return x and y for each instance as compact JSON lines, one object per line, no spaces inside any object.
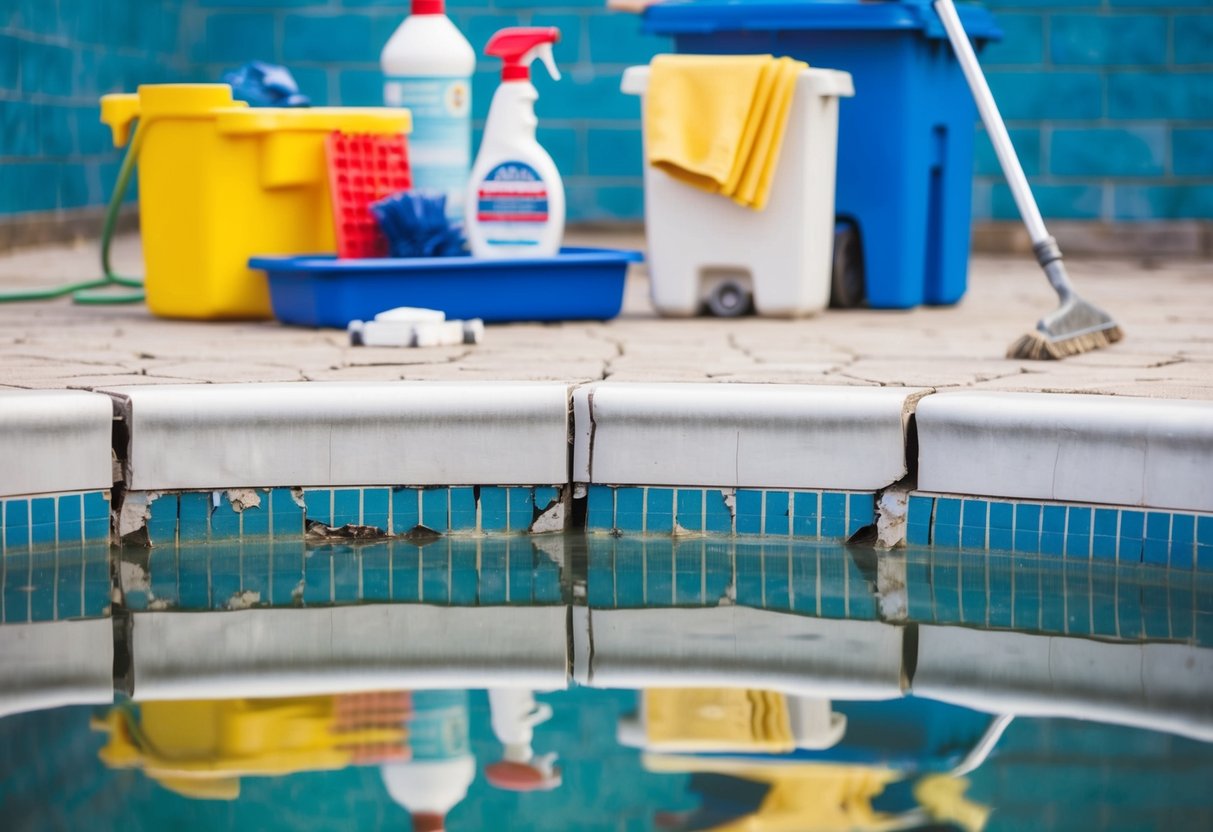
{"x":577,"y":284}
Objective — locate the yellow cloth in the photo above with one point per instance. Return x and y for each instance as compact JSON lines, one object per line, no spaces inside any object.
{"x":718,"y":719}
{"x":717,"y":122}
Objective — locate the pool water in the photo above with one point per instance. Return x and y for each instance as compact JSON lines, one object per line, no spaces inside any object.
{"x":730,"y":684}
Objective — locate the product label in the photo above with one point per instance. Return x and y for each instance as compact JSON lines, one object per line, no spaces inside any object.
{"x":438,"y":729}
{"x":512,"y":204}
{"x":440,"y":145}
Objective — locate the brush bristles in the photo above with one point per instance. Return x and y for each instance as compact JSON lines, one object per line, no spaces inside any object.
{"x":1036,"y":347}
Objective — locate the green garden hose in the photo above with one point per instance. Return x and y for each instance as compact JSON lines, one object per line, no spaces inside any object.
{"x":86,"y":291}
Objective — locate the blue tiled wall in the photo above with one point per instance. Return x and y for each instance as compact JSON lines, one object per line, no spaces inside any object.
{"x":1109,"y":104}
{"x":56,"y":58}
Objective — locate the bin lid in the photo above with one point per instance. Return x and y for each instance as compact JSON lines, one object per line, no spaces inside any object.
{"x":379,"y":120}
{"x":705,"y":17}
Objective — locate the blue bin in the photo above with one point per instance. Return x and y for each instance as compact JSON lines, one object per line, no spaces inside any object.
{"x":576,"y":284}
{"x":905,"y":141}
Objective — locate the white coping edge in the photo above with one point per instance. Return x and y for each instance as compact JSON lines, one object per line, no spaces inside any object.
{"x":49,"y":664}
{"x":740,"y":435}
{"x":55,"y":440}
{"x":725,"y":646}
{"x":1072,"y":448}
{"x":292,"y":652}
{"x":345,"y":433}
{"x":1161,"y":687}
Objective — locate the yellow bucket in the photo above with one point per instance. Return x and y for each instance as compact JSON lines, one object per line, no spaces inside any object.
{"x":220,"y":182}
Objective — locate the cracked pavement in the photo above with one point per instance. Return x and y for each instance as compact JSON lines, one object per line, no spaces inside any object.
{"x":1164,"y":308}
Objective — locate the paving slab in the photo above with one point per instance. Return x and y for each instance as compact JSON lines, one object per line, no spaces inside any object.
{"x":1165,"y":309}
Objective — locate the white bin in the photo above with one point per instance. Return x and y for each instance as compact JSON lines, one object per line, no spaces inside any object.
{"x":704,"y":249}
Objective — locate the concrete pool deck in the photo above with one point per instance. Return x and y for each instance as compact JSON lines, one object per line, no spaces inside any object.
{"x":1165,"y":309}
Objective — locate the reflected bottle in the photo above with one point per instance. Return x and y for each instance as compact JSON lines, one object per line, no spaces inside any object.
{"x":442,"y":767}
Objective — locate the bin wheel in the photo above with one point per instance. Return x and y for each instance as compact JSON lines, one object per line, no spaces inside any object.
{"x":729,"y":299}
{"x":847,"y":288}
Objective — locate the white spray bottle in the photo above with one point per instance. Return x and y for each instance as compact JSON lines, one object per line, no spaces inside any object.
{"x":515,"y":200}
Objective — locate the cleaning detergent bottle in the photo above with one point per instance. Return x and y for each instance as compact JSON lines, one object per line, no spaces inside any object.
{"x":515,"y":199}
{"x":427,"y":67}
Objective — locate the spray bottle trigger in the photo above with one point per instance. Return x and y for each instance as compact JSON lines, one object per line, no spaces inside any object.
{"x":543,"y":52}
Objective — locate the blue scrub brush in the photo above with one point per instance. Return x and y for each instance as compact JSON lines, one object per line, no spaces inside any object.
{"x":416,"y":225}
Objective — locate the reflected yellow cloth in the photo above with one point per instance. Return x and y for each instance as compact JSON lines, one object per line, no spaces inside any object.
{"x":718,"y":719}
{"x":716,"y":122}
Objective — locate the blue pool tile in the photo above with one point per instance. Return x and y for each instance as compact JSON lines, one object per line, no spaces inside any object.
{"x":1053,"y":530}
{"x":318,"y":576}
{"x":1103,"y":547}
{"x":493,"y":570}
{"x":628,"y":574}
{"x":861,"y":511}
{"x":1078,"y":597}
{"x":948,"y":511}
{"x":493,"y":509}
{"x":286,"y":516}
{"x":70,"y":601}
{"x":833,"y":514}
{"x":749,"y":511}
{"x":659,"y":573}
{"x":945,"y":536}
{"x":16,"y":578}
{"x":718,"y":571}
{"x":749,"y":575}
{"x":194,"y":516}
{"x":163,"y":573}
{"x":1183,"y":541}
{"x":1103,"y":600}
{"x":688,"y":573}
{"x":1106,"y":522}
{"x":193,"y":583}
{"x":255,"y":520}
{"x":347,"y":507}
{"x":376,"y":507}
{"x":162,"y":522}
{"x":1157,"y":544}
{"x":1078,"y":532}
{"x":973,"y":524}
{"x":1027,"y":527}
{"x":689,"y":508}
{"x":405,"y":516}
{"x":225,"y":520}
{"x":776,"y":520}
{"x":918,"y":588}
{"x":42,"y":520}
{"x":920,"y":510}
{"x":804,"y":514}
{"x":717,"y":516}
{"x":1001,"y":539}
{"x":544,"y":496}
{"x":435,"y":574}
{"x":406,"y":572}
{"x":1179,"y":605}
{"x":376,"y":572}
{"x":1132,"y":532}
{"x":286,"y":571}
{"x":659,"y":510}
{"x":1204,"y":529}
{"x":629,"y":509}
{"x":945,"y":590}
{"x":1002,"y":516}
{"x":71,"y":519}
{"x":16,"y":525}
{"x":521,"y":571}
{"x":776,"y":568}
{"x":1129,"y":611}
{"x":522,"y":508}
{"x":463,"y":509}
{"x":319,"y":505}
{"x":96,"y":579}
{"x":434,"y":506}
{"x":918,"y":534}
{"x":464,"y":578}
{"x":600,"y":512}
{"x":861,"y":602}
{"x":1052,"y":598}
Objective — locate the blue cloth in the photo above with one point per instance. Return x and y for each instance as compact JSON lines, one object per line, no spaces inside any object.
{"x":265,"y":85}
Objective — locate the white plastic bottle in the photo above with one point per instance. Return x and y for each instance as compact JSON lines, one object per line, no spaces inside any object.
{"x":427,"y":67}
{"x":515,"y":199}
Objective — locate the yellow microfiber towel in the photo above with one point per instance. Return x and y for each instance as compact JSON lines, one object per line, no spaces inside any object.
{"x":716,"y":122}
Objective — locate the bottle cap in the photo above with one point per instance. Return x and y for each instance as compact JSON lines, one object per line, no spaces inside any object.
{"x":429,"y":6}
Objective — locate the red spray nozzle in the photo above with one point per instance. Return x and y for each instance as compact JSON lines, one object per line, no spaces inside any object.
{"x":519,"y":45}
